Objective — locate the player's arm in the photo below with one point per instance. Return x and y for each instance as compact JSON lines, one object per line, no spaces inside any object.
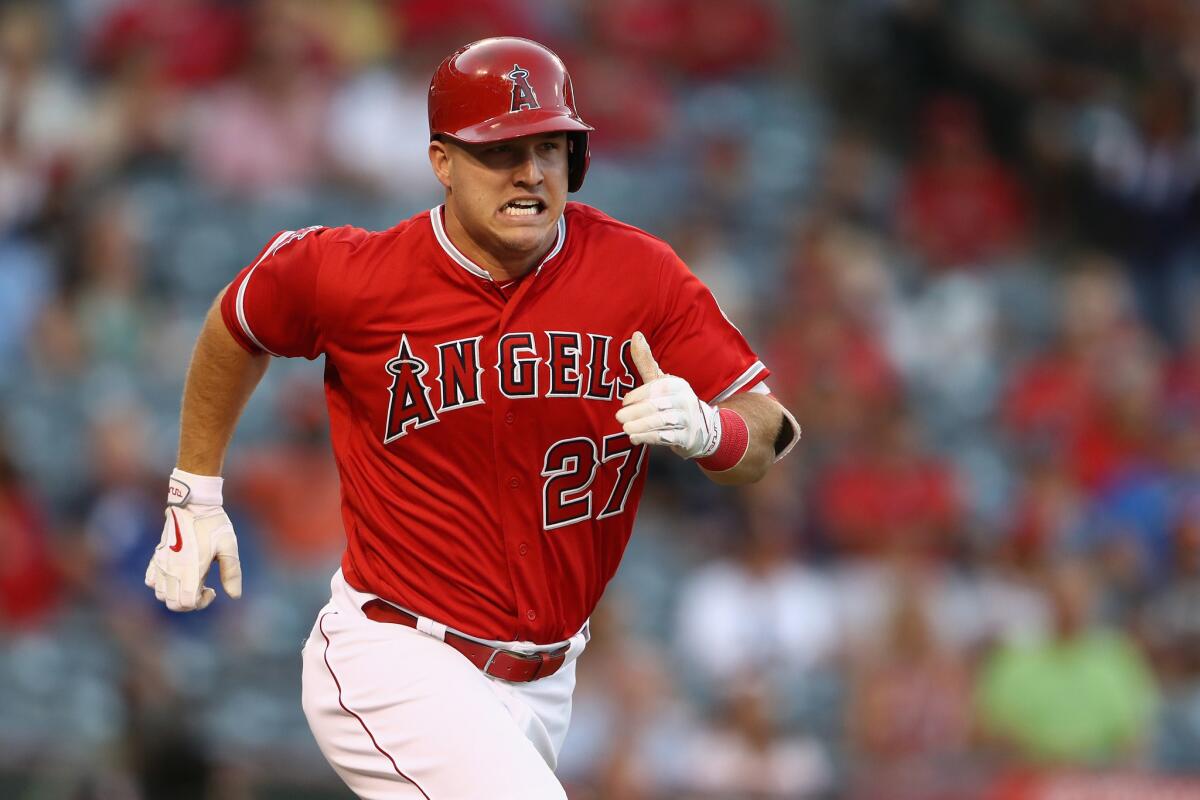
{"x":733,"y":442}
{"x":220,"y":379}
{"x":271,"y":308}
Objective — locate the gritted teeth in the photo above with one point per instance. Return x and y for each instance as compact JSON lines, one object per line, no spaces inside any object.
{"x":523,"y":207}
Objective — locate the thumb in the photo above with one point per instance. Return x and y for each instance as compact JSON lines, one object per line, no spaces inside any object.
{"x":207,"y":595}
{"x":230,"y":565}
{"x":643,"y":359}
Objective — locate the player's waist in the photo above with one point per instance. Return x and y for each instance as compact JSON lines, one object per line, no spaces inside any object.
{"x":428,"y":578}
{"x":515,"y":662}
{"x":492,"y":659}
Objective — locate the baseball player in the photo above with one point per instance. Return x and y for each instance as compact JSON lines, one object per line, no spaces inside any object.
{"x":495,"y":370}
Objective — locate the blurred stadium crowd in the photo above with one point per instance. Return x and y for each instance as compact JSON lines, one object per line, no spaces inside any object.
{"x":962,"y":234}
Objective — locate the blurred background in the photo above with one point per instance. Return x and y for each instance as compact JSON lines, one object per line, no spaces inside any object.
{"x":961,"y":233}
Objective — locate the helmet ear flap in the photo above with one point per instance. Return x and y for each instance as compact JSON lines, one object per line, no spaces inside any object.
{"x":578,"y":159}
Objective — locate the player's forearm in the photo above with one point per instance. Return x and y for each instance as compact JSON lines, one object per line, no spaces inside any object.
{"x":220,"y":379}
{"x":763,"y":416}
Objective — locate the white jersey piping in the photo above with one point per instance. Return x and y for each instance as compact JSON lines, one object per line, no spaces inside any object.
{"x":241,"y":295}
{"x":739,"y":382}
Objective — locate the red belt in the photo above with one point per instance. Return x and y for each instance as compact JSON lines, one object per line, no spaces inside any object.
{"x":507,"y":665}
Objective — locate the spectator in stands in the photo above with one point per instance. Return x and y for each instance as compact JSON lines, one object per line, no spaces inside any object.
{"x":857,"y":179}
{"x":1084,"y":696}
{"x":41,"y":123}
{"x":107,"y":292}
{"x":1123,"y":454}
{"x":1122,"y":432}
{"x":26,"y":276}
{"x":1146,"y":174}
{"x":629,"y":718}
{"x":31,"y":581}
{"x":290,"y":486}
{"x":909,"y":711}
{"x":960,"y":206}
{"x":1047,"y":511}
{"x":1013,"y":608}
{"x":355,"y":34}
{"x":759,"y":610}
{"x":744,"y":751}
{"x":188,"y":43}
{"x":826,"y":348}
{"x":719,"y":40}
{"x":1049,"y":395}
{"x":121,"y":515}
{"x":706,"y":248}
{"x":889,"y":493}
{"x":136,"y":124}
{"x":259,"y":134}
{"x":1171,"y":627}
{"x":1182,"y":381}
{"x":608,"y":80}
{"x":432,"y":28}
{"x":378,"y":133}
{"x":703,"y":40}
{"x":944,"y":340}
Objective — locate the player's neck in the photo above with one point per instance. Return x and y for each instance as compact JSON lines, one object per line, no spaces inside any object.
{"x":502,"y":269}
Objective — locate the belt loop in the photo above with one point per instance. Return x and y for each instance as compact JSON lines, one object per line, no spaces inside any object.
{"x":538,"y":667}
{"x":430,"y":628}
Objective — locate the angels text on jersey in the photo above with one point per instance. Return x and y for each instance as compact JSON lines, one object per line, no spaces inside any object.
{"x":425,"y":385}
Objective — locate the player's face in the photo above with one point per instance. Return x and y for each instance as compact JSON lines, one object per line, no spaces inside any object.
{"x":508,"y":195}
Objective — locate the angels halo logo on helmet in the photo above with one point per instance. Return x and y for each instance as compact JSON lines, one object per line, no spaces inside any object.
{"x":504,"y":88}
{"x":523,"y":95}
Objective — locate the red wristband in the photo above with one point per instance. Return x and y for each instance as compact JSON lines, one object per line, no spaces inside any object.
{"x":735,"y":440}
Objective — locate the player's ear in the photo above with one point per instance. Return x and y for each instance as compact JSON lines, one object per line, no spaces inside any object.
{"x":439,"y":159}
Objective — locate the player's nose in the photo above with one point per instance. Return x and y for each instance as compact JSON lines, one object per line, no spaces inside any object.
{"x":528,"y":171}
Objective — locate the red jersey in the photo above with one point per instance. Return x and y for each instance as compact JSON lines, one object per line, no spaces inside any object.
{"x":486,"y":482}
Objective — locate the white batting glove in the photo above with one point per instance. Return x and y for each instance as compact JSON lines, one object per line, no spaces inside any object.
{"x":665,"y":410}
{"x":196,"y":531}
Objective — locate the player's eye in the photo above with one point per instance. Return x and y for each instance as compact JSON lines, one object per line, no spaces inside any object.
{"x":551,"y":145}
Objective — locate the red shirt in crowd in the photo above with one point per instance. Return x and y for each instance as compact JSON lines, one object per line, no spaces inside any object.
{"x":869,"y":504}
{"x":191,"y":43}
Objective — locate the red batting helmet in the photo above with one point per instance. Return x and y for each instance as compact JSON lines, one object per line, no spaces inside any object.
{"x":502,"y":88}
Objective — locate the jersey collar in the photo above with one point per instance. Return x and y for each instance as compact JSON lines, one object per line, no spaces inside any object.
{"x":439,"y":232}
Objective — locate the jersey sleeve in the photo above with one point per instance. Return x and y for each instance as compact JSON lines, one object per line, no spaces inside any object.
{"x":696,"y":341}
{"x":273,"y":305}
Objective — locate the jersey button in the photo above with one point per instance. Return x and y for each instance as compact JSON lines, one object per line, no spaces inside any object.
{"x":531,"y":615}
{"x":523,"y":549}
{"x":509,"y":417}
{"x":514,"y":481}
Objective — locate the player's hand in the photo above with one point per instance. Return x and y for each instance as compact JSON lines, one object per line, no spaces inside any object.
{"x":196,"y":531}
{"x":665,"y":410}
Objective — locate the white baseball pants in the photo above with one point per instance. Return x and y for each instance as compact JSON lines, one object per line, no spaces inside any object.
{"x":400,"y":714}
